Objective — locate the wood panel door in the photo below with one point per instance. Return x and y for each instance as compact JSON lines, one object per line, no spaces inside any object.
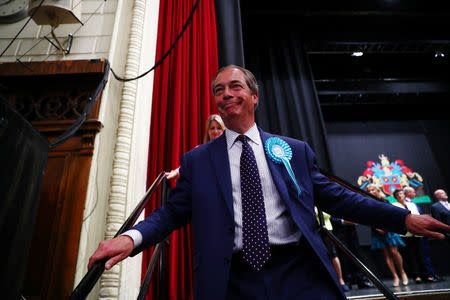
{"x":54,"y":248}
{"x":55,"y":95}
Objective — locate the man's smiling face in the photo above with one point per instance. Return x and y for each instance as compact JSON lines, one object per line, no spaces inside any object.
{"x":234,"y":99}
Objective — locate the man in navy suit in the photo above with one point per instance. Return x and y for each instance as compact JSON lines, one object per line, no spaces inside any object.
{"x":441,"y":209}
{"x":209,"y":194}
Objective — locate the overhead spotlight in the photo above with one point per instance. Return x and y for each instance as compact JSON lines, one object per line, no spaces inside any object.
{"x":439,"y":54}
{"x":358,"y":53}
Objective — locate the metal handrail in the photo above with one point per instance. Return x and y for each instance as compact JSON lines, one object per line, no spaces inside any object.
{"x":157,"y":257}
{"x":377,"y":282}
{"x":359,"y":264}
{"x":151,"y":267}
{"x":161,"y":288}
{"x":89,"y":280}
{"x":350,"y":186}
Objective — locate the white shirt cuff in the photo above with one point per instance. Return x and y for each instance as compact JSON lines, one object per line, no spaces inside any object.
{"x":135,"y":235}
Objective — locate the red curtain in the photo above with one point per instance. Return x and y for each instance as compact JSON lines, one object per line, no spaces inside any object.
{"x":182,"y":101}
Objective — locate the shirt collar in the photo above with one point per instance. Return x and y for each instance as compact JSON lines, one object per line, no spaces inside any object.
{"x":252,"y":134}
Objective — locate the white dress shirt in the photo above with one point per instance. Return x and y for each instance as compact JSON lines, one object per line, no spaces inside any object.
{"x":281,"y":227}
{"x":446,"y":204}
{"x":412,"y":207}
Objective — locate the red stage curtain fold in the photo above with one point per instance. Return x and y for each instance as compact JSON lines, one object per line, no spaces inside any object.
{"x":182,"y":102}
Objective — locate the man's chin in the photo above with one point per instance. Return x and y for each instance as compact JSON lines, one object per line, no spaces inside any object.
{"x":229,"y":113}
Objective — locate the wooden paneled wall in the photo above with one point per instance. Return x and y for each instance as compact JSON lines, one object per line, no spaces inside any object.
{"x":51,"y":95}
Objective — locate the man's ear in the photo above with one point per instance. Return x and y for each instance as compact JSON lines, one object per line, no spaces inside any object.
{"x":255,"y":99}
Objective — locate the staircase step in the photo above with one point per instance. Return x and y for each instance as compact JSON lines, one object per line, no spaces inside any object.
{"x":434,"y":294}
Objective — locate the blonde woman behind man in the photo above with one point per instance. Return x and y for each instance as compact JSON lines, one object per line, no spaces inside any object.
{"x":213,"y":129}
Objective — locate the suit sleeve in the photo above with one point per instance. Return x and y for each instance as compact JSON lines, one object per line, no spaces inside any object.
{"x":438,"y":213}
{"x":348,"y":205}
{"x":174,"y":214}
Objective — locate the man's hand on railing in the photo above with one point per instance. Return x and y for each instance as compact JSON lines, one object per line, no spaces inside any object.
{"x":112,"y":251}
{"x":425,"y":225}
{"x":116,"y":249}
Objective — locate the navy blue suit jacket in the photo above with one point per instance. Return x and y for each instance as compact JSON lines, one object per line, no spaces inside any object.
{"x":203,"y":195}
{"x":439,"y":212}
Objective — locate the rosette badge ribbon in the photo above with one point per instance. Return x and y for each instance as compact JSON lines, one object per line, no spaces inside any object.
{"x":281,"y":153}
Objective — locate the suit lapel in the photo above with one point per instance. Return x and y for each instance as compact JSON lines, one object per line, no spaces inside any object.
{"x":442,"y":206}
{"x":280,"y":176}
{"x":219,"y":156}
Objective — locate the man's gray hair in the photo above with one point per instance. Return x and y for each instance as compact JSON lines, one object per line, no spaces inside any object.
{"x":250,"y":79}
{"x":408,"y":189}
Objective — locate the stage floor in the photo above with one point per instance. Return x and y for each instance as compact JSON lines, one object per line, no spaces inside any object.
{"x":411,"y":288}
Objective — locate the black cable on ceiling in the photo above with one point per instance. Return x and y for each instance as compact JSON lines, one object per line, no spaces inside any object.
{"x":188,"y":20}
{"x":23,"y":27}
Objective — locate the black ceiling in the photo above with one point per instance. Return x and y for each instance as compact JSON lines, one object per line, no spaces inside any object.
{"x":400,"y":40}
{"x":345,"y":21}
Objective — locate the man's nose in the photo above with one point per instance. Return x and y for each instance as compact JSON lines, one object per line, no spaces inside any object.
{"x":227,"y":93}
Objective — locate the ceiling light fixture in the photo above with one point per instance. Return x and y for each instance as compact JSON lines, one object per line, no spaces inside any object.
{"x":439,"y":54}
{"x":357,"y":53}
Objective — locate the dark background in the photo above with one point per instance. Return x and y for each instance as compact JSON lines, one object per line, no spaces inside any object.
{"x":393,"y":100}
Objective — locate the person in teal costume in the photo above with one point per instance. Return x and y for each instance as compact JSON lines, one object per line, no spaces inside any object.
{"x":389,"y":243}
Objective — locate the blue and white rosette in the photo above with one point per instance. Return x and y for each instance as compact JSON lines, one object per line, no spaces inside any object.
{"x":281,"y":153}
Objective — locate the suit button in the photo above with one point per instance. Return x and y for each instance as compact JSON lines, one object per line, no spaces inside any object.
{"x":231,"y":230}
{"x":226,"y":260}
